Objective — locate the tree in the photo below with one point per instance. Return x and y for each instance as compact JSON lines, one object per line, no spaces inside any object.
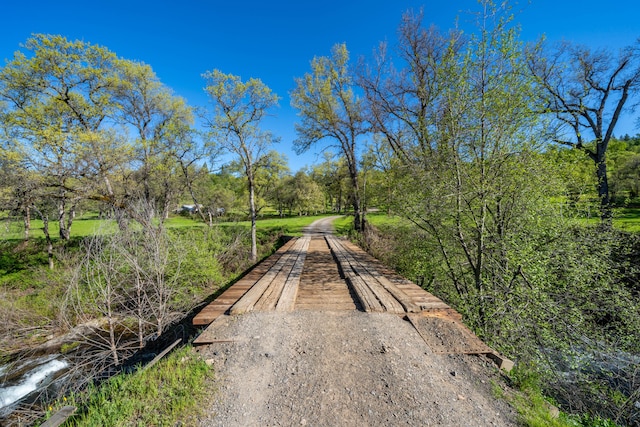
{"x":331,"y":175}
{"x":458,"y":119}
{"x":307,"y":194}
{"x":58,"y":107}
{"x":239,"y":108}
{"x":587,"y":92}
{"x":165,"y":146}
{"x":329,"y":108}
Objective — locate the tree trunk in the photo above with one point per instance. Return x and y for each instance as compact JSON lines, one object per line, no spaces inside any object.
{"x":358,"y":215}
{"x":606,"y":213}
{"x":27,"y":222}
{"x":64,"y":233}
{"x":47,"y":235}
{"x":252,"y":213}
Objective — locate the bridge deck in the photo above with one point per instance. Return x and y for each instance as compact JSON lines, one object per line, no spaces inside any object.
{"x":325,"y":273}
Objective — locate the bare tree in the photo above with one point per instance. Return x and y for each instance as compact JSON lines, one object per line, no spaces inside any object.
{"x":127,"y":281}
{"x":587,"y":91}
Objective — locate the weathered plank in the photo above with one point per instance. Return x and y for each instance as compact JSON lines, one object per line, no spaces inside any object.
{"x":162,"y":354}
{"x":279,"y":272}
{"x":385,"y":301}
{"x":289,"y":293}
{"x":367,"y":298}
{"x":208,"y":315}
{"x":501,"y":361}
{"x":229,"y":297}
{"x":321,"y":286}
{"x":273,"y":293}
{"x":251,"y":297}
{"x":59,"y":417}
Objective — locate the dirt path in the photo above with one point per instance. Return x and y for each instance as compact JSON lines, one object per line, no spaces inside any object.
{"x":342,"y":367}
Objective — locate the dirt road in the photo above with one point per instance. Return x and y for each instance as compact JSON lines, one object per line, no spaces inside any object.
{"x":343,"y":367}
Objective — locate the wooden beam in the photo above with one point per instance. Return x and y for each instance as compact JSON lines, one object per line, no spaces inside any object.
{"x":251,"y":297}
{"x":59,"y":417}
{"x":287,"y":299}
{"x":162,"y":354}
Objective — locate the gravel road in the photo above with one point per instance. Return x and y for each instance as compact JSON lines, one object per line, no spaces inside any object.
{"x":343,"y":368}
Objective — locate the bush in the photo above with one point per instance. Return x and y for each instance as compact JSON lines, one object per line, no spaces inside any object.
{"x":567,"y":307}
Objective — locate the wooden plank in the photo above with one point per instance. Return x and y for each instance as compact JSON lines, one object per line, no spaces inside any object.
{"x":251,"y":297}
{"x":445,"y":313}
{"x":290,"y":288}
{"x":501,"y":361}
{"x":206,"y":318}
{"x":273,"y":293}
{"x":162,"y":354}
{"x":238,"y":289}
{"x":59,"y":417}
{"x":289,"y":293}
{"x":367,"y":298}
{"x":327,"y":306}
{"x":368,"y":263}
{"x":404,"y":299}
{"x":321,"y":286}
{"x":385,"y":301}
{"x":432,"y":305}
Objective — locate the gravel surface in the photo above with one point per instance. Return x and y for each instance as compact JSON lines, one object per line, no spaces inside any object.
{"x":347,"y":368}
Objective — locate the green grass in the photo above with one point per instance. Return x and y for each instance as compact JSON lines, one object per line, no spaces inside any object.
{"x":627,"y":219}
{"x":290,"y":226}
{"x":167,"y":394}
{"x":89,"y":225}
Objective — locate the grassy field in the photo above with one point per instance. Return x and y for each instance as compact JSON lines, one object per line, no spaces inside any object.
{"x":89,"y":225}
{"x":627,"y":219}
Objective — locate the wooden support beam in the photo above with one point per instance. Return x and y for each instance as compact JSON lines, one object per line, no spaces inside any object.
{"x":501,"y":361}
{"x":59,"y":417}
{"x":162,"y":354}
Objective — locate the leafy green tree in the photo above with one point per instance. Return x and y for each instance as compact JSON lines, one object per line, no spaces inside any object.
{"x":460,"y":123}
{"x":59,"y":103}
{"x":587,"y":93}
{"x":333,"y":176}
{"x":329,"y":109}
{"x":239,"y":108}
{"x":308,"y":197}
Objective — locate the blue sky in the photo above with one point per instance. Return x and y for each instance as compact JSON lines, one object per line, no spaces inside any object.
{"x":276,"y":40}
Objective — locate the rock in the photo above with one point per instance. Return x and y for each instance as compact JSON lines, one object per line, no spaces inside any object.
{"x":553,"y":410}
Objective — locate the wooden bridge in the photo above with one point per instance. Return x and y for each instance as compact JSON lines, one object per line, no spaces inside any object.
{"x":322,"y":272}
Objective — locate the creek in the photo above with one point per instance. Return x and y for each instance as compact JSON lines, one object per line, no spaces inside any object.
{"x":34,"y":377}
{"x":27,"y":377}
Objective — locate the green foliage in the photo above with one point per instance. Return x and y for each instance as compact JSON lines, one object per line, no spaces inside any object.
{"x":569,"y":316}
{"x":330,"y":111}
{"x":164,"y":395}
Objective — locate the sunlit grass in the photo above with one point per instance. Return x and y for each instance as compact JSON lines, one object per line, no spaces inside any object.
{"x":167,"y":394}
{"x":290,"y":226}
{"x":91,"y":225}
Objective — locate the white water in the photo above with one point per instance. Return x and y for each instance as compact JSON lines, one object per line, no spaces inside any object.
{"x":30,"y":382}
